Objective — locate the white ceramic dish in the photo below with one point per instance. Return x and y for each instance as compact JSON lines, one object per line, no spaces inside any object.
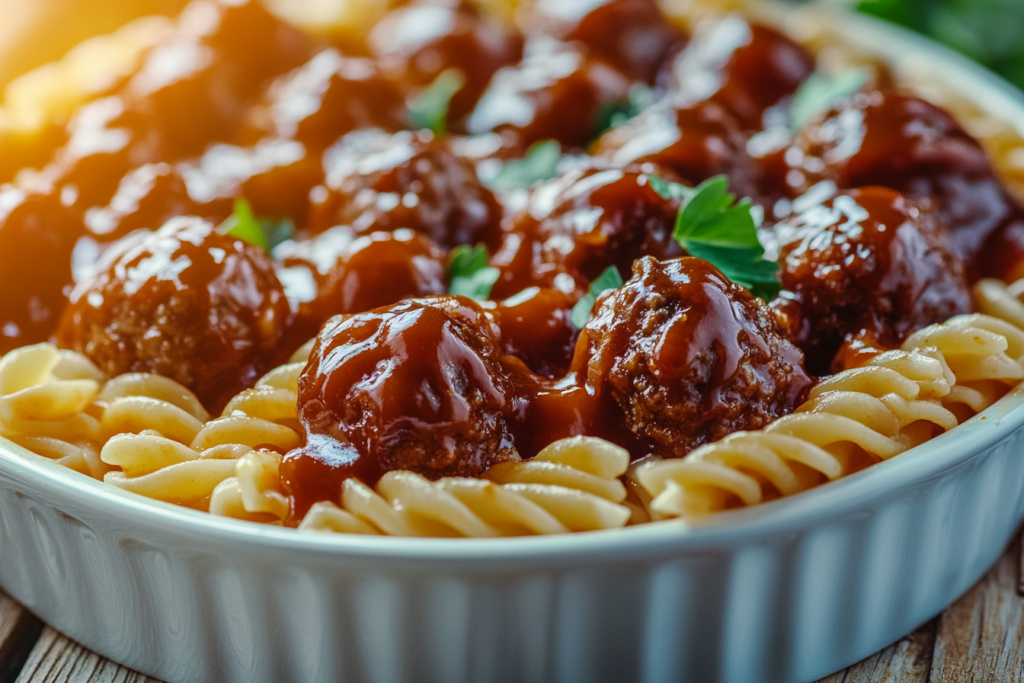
{"x":788,"y":591}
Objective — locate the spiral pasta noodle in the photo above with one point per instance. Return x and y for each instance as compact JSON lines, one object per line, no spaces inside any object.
{"x":46,"y":398}
{"x":572,"y":485}
{"x":168,"y":453}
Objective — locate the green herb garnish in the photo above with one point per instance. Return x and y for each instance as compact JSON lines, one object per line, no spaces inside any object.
{"x":265,"y":233}
{"x":540,"y":163}
{"x":713,"y":226}
{"x":609,"y":279}
{"x":468,"y":272}
{"x":820,"y":92}
{"x":429,"y":109}
{"x":242,"y":224}
{"x":614,"y":114}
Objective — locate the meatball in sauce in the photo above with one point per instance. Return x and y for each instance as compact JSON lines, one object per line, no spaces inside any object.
{"x":866,"y":264}
{"x":377,"y":181}
{"x":580,"y":224}
{"x":186,"y":302}
{"x":415,"y":386}
{"x":689,"y":356}
{"x":885,"y":138}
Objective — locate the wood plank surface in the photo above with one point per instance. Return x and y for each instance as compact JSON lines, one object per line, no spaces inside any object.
{"x":979,"y":638}
{"x":55,"y":659}
{"x":19,"y":630}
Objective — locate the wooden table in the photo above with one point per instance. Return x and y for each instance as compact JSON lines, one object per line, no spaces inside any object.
{"x":980,"y":638}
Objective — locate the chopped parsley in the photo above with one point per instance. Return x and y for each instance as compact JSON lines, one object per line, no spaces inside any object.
{"x":540,"y":163}
{"x":609,"y":279}
{"x":429,"y":109}
{"x":713,"y":226}
{"x":265,"y":233}
{"x":820,"y":92}
{"x":468,"y":272}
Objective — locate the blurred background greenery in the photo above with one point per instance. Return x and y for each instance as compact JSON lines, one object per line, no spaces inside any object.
{"x":989,"y":31}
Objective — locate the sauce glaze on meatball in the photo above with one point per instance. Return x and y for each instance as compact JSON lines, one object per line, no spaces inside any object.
{"x":866,"y":260}
{"x":885,"y":138}
{"x":409,"y":180}
{"x":578,"y":225}
{"x":689,"y":356}
{"x":186,"y":302}
{"x":414,"y":386}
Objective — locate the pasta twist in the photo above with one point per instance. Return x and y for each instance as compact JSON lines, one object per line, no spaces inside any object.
{"x":169,"y":449}
{"x":982,"y":352}
{"x":46,"y":406}
{"x":572,"y":485}
{"x":851,"y":419}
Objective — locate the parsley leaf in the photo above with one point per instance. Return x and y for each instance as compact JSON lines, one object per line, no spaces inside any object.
{"x":713,"y":226}
{"x":540,"y":163}
{"x":429,"y":109}
{"x":265,"y":233}
{"x":468,"y":272}
{"x":614,"y":114}
{"x":820,"y":92}
{"x":609,"y":279}
{"x":242,"y":224}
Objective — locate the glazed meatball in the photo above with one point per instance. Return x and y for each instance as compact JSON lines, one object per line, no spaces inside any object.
{"x":884,"y":138}
{"x":695,"y":142}
{"x":412,"y":387}
{"x":38,"y":235}
{"x":557,"y":92}
{"x":147,"y":198}
{"x":870,"y":260}
{"x":536,"y":327}
{"x":186,"y":302}
{"x":747,"y":68}
{"x":274,"y":175}
{"x":409,"y":180}
{"x":689,"y":356}
{"x":578,"y":225}
{"x":414,"y":44}
{"x":193,"y":88}
{"x":631,"y":35}
{"x":325,"y":98}
{"x":352,"y":274}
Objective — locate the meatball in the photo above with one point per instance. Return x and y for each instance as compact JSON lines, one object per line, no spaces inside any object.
{"x":747,"y":68}
{"x":884,"y":138}
{"x":870,"y":260}
{"x":695,"y":142}
{"x":414,"y":44}
{"x":192,"y":88}
{"x":412,"y":387}
{"x":557,"y":92}
{"x":357,"y":274}
{"x":578,"y":225}
{"x":274,"y":175}
{"x":38,"y":235}
{"x":186,"y":302}
{"x":147,"y":198}
{"x":631,"y":35}
{"x":377,"y":181}
{"x":325,"y":98}
{"x":689,"y":356}
{"x":536,"y":327}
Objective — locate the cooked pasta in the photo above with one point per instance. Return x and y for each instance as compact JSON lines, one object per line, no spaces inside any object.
{"x":572,"y":485}
{"x":851,"y":419}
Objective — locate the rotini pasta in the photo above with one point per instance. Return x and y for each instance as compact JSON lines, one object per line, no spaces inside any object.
{"x":850,"y":420}
{"x":572,"y":485}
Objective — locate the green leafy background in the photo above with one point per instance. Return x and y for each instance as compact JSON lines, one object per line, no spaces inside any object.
{"x":988,"y":31}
